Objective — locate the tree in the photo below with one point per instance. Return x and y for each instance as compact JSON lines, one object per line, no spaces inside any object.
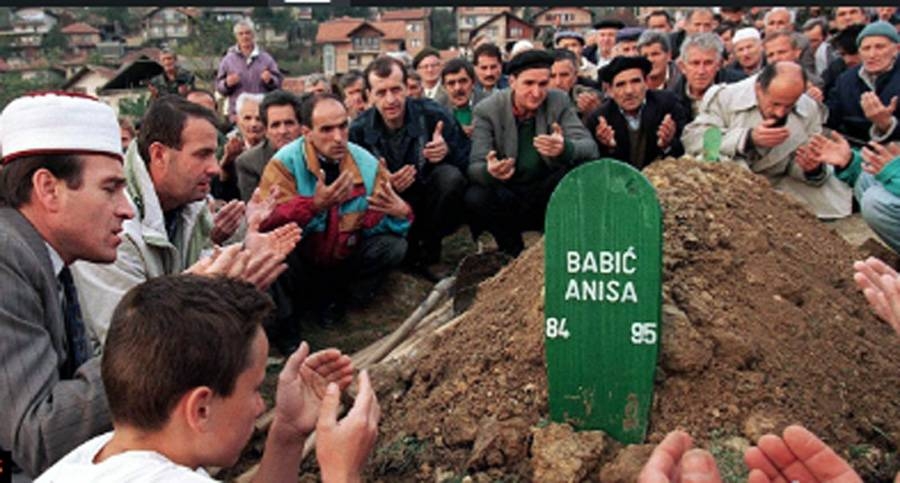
{"x":210,"y":38}
{"x":55,"y":41}
{"x":122,"y":18}
{"x":134,"y":108}
{"x":14,"y":86}
{"x":443,"y":28}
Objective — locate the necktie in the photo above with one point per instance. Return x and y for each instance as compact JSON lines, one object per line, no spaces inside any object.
{"x":78,"y":348}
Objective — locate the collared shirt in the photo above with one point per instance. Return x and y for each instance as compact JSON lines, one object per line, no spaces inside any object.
{"x":634,"y":122}
{"x":432,"y":92}
{"x":57,"y":262}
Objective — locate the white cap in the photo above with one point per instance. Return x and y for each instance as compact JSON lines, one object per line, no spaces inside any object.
{"x":744,"y":34}
{"x":519,"y":47}
{"x":58,"y":123}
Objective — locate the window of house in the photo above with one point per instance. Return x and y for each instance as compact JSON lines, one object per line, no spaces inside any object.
{"x":515,"y":32}
{"x":328,"y":58}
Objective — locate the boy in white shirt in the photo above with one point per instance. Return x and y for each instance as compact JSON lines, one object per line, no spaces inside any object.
{"x":183,"y":364}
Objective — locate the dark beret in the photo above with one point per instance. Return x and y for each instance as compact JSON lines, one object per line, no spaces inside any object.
{"x":609,"y":23}
{"x":629,"y":34}
{"x":620,"y":63}
{"x":530,"y":59}
{"x":426,"y":52}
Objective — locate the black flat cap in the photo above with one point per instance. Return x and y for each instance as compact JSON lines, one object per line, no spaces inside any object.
{"x":621,"y":63}
{"x":530,"y":59}
{"x":609,"y":23}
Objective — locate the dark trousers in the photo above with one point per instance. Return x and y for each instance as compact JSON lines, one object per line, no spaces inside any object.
{"x":306,"y":284}
{"x":437,"y":201}
{"x":507,"y":210}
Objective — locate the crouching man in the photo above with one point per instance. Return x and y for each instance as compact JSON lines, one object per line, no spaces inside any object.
{"x":169,"y":423}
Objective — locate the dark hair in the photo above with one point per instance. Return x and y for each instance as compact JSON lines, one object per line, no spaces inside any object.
{"x":770,"y":71}
{"x":309,"y":106}
{"x":202,"y":91}
{"x":164,"y":121}
{"x":657,"y":13}
{"x":726,"y":27}
{"x":382,"y":67}
{"x":565,"y":54}
{"x":487,"y":50}
{"x":410,"y":74}
{"x":15,"y":177}
{"x":351,"y":77}
{"x":172,"y":334}
{"x":456,"y":65}
{"x":278,"y":98}
{"x":782,"y":34}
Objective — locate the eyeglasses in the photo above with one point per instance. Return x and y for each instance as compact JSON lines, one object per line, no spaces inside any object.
{"x":435,"y":65}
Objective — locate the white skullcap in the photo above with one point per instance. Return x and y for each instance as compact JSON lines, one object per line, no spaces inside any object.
{"x":58,"y":123}
{"x":744,"y":34}
{"x":519,"y":47}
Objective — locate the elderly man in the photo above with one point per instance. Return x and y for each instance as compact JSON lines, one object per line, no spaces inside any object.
{"x":863,"y":102}
{"x":701,"y":67}
{"x":317,"y":83}
{"x":816,"y":32}
{"x":428,"y":64}
{"x":778,"y":19}
{"x":63,"y":200}
{"x":655,"y":47}
{"x":246,"y":68}
{"x":574,"y":42}
{"x":173,"y":79}
{"x":488,"y":62}
{"x":426,"y":153}
{"x":279,"y":112}
{"x":626,"y":42}
{"x":524,"y":142}
{"x":355,"y":222}
{"x":764,"y":120}
{"x":352,"y":89}
{"x":783,"y":45}
{"x":635,"y":124}
{"x":169,"y":171}
{"x":585,"y":93}
{"x":248,"y":133}
{"x":748,"y":51}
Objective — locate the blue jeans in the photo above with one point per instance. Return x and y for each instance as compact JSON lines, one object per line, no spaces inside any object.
{"x":880,"y":208}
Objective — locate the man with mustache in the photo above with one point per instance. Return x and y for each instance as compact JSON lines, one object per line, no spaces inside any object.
{"x":458,"y":78}
{"x":63,"y":199}
{"x":764,"y":120}
{"x":169,"y":172}
{"x":489,"y":69}
{"x":426,"y":152}
{"x":634,"y":124}
{"x":525,"y":140}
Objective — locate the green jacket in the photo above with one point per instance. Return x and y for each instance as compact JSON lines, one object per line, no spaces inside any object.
{"x":889,"y":176}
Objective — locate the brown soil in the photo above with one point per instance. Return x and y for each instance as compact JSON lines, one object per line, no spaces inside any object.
{"x":763,"y":327}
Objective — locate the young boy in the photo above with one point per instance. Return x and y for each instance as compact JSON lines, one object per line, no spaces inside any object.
{"x":183,"y":364}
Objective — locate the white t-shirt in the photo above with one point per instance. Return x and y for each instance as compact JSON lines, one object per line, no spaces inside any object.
{"x":130,"y":466}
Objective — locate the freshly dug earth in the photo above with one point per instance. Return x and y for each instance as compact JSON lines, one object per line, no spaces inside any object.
{"x":763,"y":327}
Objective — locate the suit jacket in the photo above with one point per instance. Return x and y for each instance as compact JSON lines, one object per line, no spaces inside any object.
{"x":659,"y":103}
{"x":46,"y":413}
{"x":250,"y":165}
{"x":495,"y":129}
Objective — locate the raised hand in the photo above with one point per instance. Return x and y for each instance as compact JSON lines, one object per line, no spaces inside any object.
{"x":342,"y":447}
{"x":805,"y":158}
{"x":403,"y":178}
{"x":881,"y":286}
{"x":436,"y":149}
{"x":387,"y":201}
{"x":604,"y":133}
{"x":673,"y":460}
{"x":267,"y":253}
{"x":233,"y":79}
{"x":666,"y":132}
{"x":266,"y":76}
{"x":502,"y":169}
{"x":765,"y":135}
{"x":550,"y":145}
{"x":587,"y":102}
{"x":798,"y":455}
{"x":337,"y":192}
{"x":226,"y":221}
{"x":876,"y":111}
{"x":259,"y":208}
{"x":833,"y":149}
{"x":877,"y":156}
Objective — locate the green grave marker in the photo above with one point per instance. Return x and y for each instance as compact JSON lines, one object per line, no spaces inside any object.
{"x":603,"y":274}
{"x":712,"y":142}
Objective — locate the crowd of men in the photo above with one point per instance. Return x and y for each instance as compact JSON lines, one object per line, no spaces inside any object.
{"x":314,"y":197}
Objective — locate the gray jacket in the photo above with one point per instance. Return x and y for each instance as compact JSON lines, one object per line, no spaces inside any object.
{"x":45,"y":413}
{"x":495,"y":129}
{"x":733,"y":109}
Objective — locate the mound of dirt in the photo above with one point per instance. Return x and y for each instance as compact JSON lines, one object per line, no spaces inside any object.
{"x":763,"y":327}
